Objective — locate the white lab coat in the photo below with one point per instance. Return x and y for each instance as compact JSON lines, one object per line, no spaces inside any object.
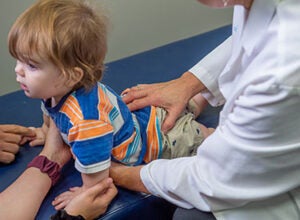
{"x":249,"y":168}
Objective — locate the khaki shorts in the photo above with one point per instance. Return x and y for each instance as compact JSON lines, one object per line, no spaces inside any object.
{"x":184,"y":138}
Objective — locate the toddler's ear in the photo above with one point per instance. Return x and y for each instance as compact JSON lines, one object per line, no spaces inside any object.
{"x":78,"y":74}
{"x":75,"y":76}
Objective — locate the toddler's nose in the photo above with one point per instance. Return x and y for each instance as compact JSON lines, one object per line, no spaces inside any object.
{"x":19,"y":69}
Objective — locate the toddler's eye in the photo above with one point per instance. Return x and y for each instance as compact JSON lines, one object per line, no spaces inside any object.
{"x":32,"y":66}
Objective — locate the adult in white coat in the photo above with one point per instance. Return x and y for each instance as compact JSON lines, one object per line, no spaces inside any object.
{"x":249,"y":168}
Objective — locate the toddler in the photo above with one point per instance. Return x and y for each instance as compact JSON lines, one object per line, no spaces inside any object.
{"x":60,"y":46}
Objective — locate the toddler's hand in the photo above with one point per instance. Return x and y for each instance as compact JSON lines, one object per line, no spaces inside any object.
{"x":26,"y":138}
{"x":64,"y":198}
{"x":39,"y":139}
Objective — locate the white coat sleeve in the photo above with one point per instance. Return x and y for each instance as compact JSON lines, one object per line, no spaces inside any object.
{"x":208,"y":70}
{"x":253,"y":155}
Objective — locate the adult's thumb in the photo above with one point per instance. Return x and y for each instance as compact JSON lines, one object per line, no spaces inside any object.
{"x":169,"y":122}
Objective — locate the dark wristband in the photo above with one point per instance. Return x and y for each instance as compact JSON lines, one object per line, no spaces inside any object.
{"x":47,"y":166}
{"x":63,"y":215}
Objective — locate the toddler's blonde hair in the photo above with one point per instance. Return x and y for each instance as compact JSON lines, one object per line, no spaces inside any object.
{"x":68,"y":33}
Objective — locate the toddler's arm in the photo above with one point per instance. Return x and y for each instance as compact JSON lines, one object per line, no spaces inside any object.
{"x":89,"y":180}
{"x":197,"y":104}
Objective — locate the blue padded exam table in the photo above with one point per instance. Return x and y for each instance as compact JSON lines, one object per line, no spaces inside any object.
{"x":156,"y":65}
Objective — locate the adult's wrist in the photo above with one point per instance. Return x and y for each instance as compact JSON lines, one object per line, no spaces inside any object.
{"x":128,"y":177}
{"x":51,"y":168}
{"x":192,"y":84}
{"x":60,"y":156}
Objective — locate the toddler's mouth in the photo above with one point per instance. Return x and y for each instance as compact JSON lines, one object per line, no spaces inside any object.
{"x":23,"y":87}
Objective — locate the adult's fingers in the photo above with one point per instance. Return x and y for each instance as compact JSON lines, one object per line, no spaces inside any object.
{"x":100,"y":188}
{"x":6,"y":157}
{"x":9,"y":147}
{"x":17,"y":129}
{"x":93,"y":201}
{"x":170,"y":120}
{"x":110,"y":193}
{"x":10,"y":138}
{"x":138,"y":96}
{"x":137,"y":99}
{"x":104,"y":192}
{"x":138,"y":104}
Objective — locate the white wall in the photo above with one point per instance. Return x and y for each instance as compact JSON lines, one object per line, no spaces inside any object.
{"x":137,"y":25}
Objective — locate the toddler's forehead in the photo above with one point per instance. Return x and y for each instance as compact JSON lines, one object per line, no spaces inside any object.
{"x":31,"y":56}
{"x":30,"y":50}
{"x":30,"y":44}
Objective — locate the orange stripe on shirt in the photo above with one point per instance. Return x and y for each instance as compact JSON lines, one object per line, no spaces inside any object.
{"x":72,"y":110}
{"x":152,"y":138}
{"x":120,"y":151}
{"x":89,"y":129}
{"x":104,"y":105}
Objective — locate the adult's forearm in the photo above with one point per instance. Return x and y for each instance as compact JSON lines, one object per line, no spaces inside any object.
{"x":22,"y":199}
{"x":128,"y":177}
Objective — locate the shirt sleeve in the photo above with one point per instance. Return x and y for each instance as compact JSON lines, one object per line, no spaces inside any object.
{"x":253,"y":154}
{"x":91,"y":142}
{"x":209,"y":69}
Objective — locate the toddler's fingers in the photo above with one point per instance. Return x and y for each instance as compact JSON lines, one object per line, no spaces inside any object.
{"x":36,"y":142}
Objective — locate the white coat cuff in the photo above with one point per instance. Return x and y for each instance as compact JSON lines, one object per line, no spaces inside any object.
{"x":212,"y":94}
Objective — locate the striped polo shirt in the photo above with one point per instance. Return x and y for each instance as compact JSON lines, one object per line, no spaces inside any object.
{"x":98,"y":126}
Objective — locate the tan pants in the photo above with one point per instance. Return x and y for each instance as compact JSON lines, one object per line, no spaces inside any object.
{"x":184,"y":138}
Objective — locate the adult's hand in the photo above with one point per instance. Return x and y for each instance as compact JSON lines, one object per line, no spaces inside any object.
{"x":11,"y":137}
{"x":173,"y":96}
{"x":55,"y":149}
{"x":32,"y":185}
{"x":94,"y":201}
{"x":127,"y":177}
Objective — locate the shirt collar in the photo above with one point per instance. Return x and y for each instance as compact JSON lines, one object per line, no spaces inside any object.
{"x":48,"y":104}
